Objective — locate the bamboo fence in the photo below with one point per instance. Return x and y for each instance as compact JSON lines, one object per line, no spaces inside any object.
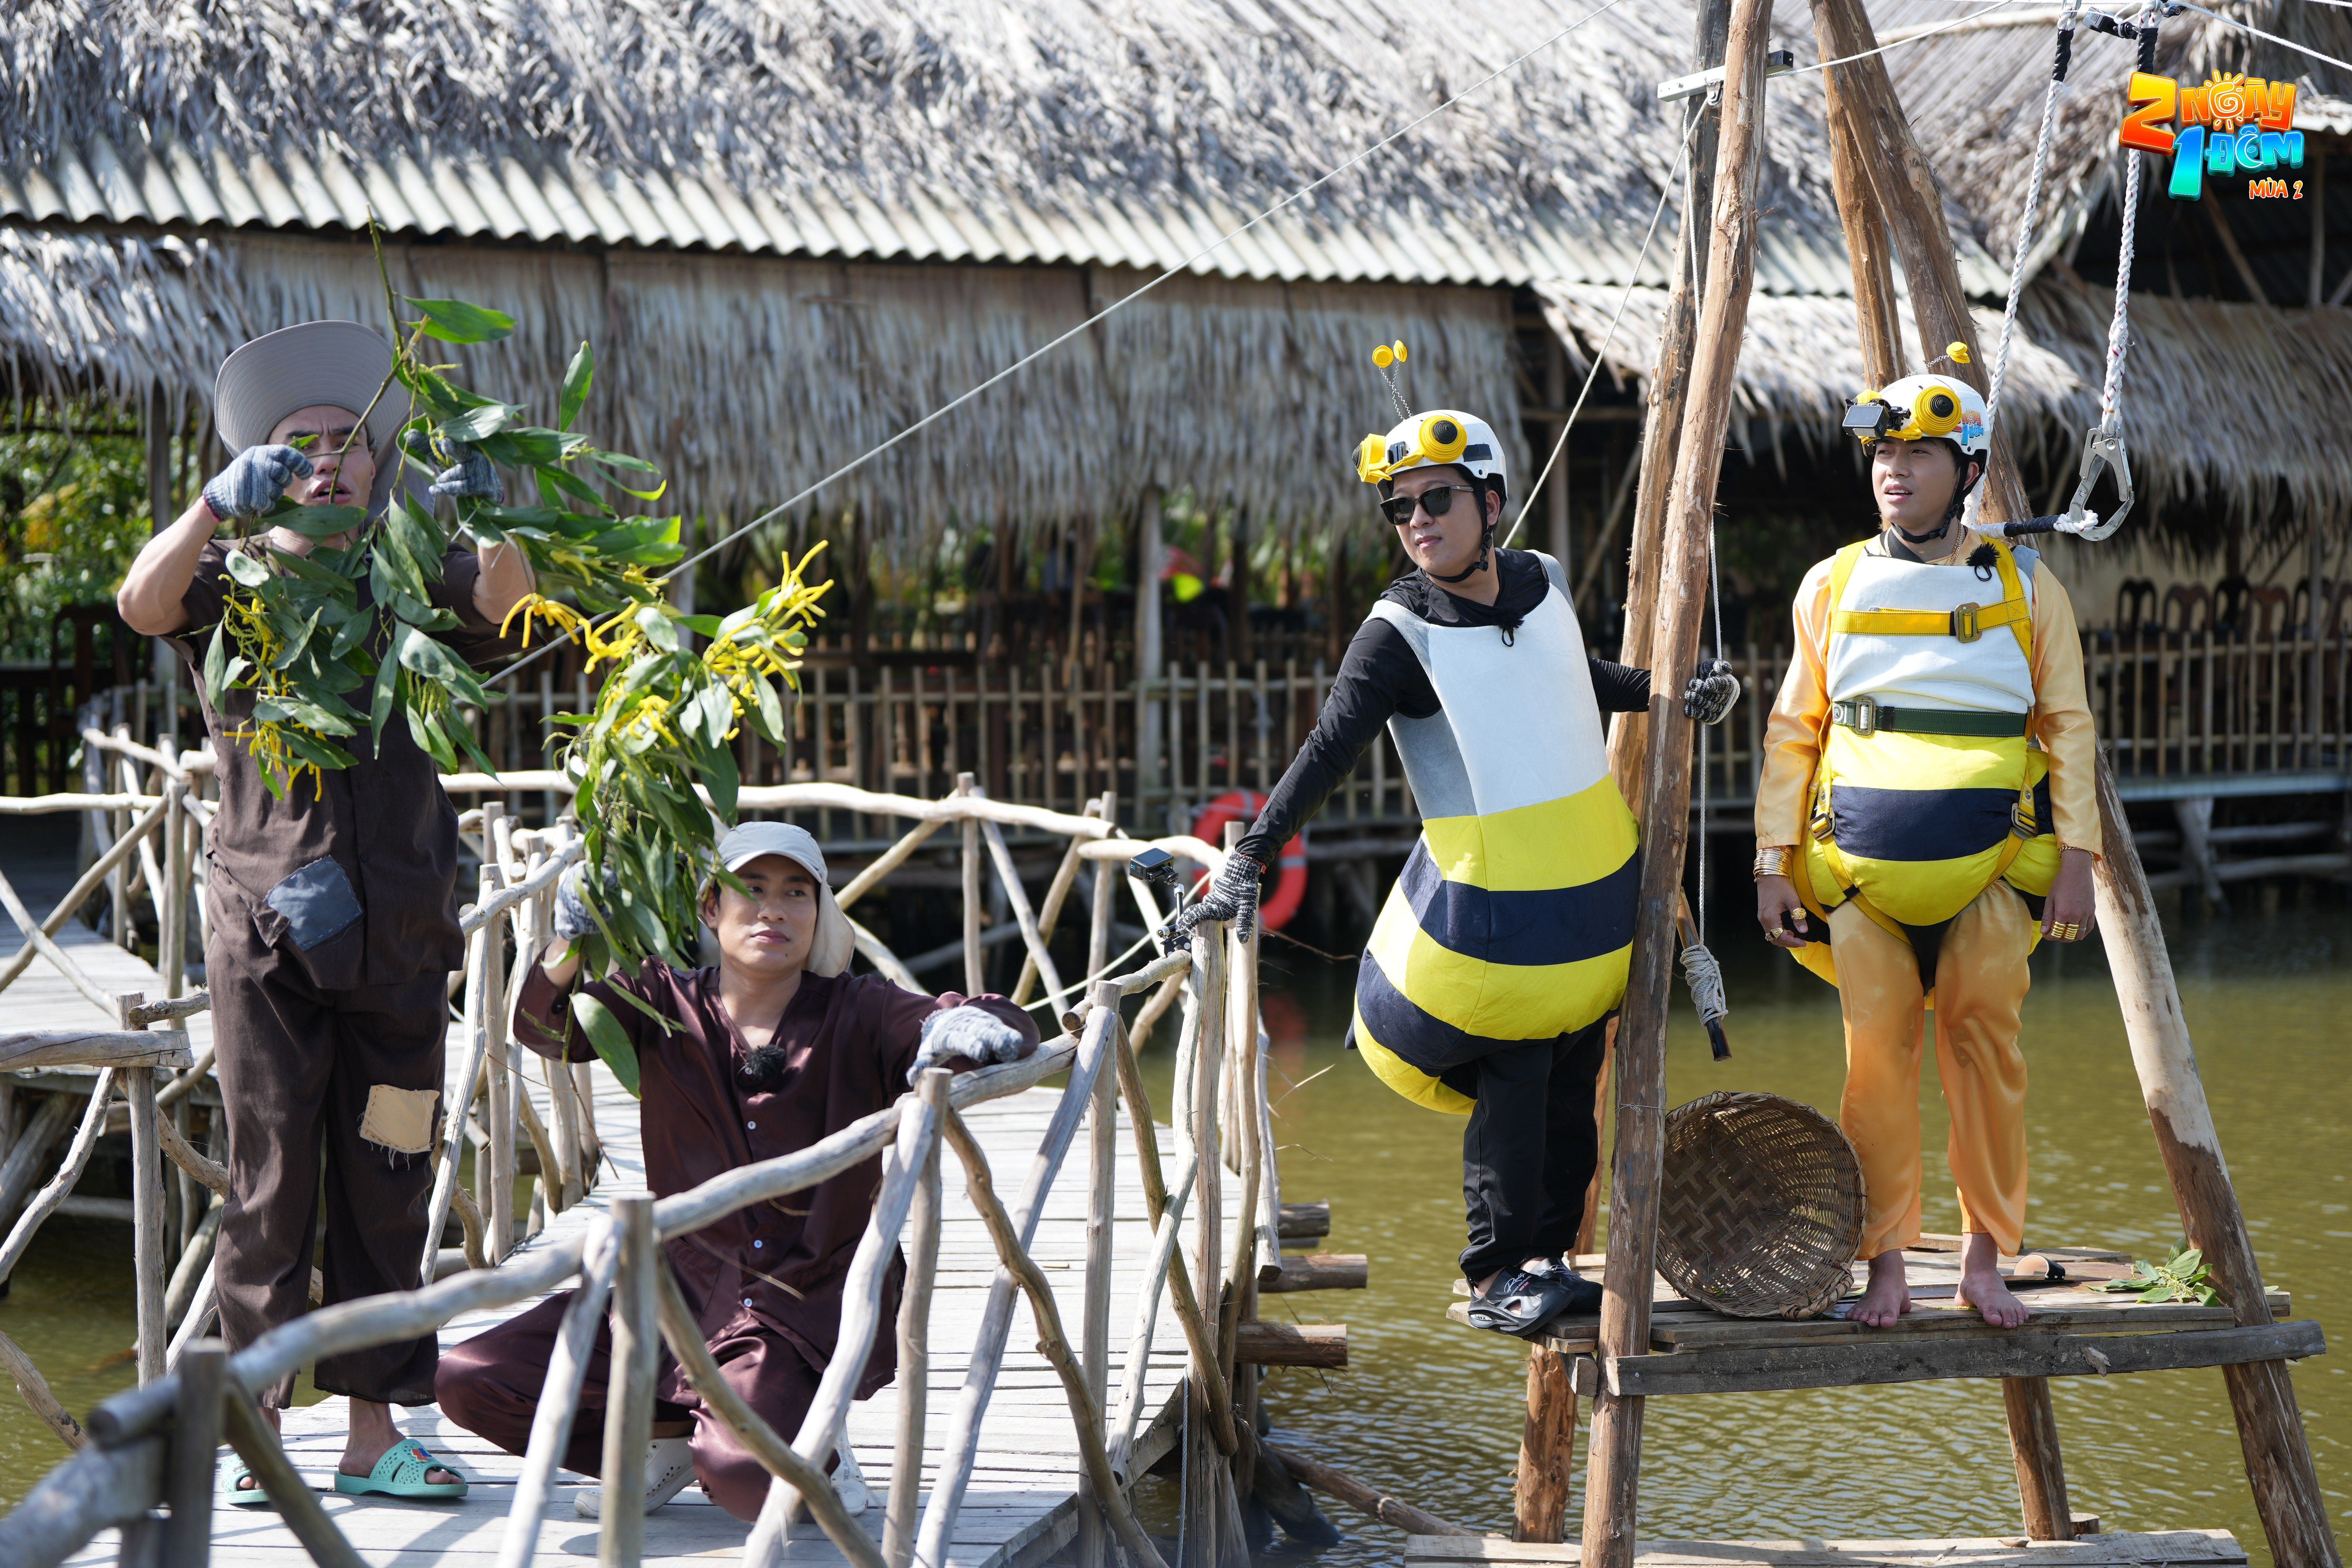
{"x":152,"y":1447}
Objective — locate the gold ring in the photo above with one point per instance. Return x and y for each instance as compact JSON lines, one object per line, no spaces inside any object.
{"x":2067,"y":931}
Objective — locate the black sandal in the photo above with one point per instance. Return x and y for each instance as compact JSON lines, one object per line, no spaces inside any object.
{"x":1583,"y":1295}
{"x":1520,"y":1303}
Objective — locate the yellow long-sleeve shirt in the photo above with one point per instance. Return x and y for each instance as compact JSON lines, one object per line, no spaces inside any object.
{"x":2059,"y":721}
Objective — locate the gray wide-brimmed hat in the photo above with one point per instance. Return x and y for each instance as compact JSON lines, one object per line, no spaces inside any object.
{"x":340,"y":363}
{"x":834,"y":942}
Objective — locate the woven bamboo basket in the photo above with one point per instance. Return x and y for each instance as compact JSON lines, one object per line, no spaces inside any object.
{"x":1762,"y":1210}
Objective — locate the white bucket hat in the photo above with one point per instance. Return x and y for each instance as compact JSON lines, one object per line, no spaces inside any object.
{"x":829,"y":951}
{"x":340,"y":363}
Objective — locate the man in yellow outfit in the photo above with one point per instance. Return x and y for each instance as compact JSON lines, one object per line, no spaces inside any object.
{"x":1925,"y":813}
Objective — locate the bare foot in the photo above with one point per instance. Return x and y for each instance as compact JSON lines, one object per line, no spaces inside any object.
{"x":1980,"y":1284}
{"x":1888,"y":1295}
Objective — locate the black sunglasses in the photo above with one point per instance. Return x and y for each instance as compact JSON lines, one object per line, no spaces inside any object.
{"x":1437,"y":501}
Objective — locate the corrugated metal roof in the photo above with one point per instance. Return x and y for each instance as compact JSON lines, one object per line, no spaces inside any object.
{"x":531,"y":196}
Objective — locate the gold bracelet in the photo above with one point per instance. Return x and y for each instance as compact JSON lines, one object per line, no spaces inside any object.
{"x":1772,"y":861}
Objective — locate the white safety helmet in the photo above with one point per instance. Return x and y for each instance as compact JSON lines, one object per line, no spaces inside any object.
{"x":1929,"y":408}
{"x":1435,"y":438}
{"x":1923,"y":408}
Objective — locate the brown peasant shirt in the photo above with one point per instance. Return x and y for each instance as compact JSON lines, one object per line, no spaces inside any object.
{"x":847,"y":1043}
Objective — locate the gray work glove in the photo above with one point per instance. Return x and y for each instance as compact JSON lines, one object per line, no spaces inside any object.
{"x":470,"y":474}
{"x":1231,"y":897}
{"x":572,"y":920}
{"x":1713,"y":689}
{"x":973,"y":1033}
{"x":254,"y":481}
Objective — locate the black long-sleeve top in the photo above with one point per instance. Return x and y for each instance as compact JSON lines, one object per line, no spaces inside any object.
{"x":1380,"y":677}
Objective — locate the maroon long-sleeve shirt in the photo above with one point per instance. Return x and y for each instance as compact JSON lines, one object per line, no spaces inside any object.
{"x":846,"y":1044}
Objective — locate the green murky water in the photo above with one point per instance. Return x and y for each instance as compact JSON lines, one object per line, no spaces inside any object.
{"x":1431,"y":1411}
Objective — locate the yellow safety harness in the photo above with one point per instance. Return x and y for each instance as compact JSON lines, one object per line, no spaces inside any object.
{"x":1965,"y":623}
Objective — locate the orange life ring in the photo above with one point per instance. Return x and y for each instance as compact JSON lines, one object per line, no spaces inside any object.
{"x":1243,"y":806}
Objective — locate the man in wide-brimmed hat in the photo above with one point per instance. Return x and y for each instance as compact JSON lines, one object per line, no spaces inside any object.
{"x":332,"y":912}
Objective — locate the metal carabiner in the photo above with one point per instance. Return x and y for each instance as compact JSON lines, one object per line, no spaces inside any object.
{"x":2103,"y":448}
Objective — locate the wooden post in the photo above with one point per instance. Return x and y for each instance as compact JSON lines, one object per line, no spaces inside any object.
{"x":1616,"y":1443}
{"x":1866,"y":241}
{"x":629,"y":1400}
{"x":1149,"y":648}
{"x":2294,"y":1511}
{"x":1669,"y":389}
{"x":914,"y":1339}
{"x":2033,"y":1444}
{"x":498,"y":1111}
{"x":1203,"y":1467}
{"x":1102,"y":1191}
{"x":149,"y":1252}
{"x":1913,"y":206}
{"x":974,"y":964}
{"x":188,"y":1471}
{"x":172,"y":909}
{"x":1546,"y":1449}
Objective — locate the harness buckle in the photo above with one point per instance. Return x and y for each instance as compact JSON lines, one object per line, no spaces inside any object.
{"x":1859,"y":714}
{"x":2021,"y":818}
{"x":1964,"y":623}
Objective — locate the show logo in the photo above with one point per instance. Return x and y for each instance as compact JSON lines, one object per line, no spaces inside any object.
{"x":2229,"y":124}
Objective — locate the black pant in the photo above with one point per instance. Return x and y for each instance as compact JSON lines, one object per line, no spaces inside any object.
{"x":1530,"y":1149}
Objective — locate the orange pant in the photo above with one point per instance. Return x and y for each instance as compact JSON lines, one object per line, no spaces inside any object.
{"x":1981,"y":981}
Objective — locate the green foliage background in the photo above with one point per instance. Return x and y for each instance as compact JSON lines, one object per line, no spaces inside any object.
{"x":73,"y":512}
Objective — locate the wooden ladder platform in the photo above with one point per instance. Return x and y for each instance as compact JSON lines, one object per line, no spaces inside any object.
{"x":2118,"y":1550}
{"x":1021,"y":1504}
{"x":2073,"y":1331}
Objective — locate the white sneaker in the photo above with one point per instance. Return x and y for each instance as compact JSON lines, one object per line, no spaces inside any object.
{"x":669,"y":1465}
{"x":849,"y":1482}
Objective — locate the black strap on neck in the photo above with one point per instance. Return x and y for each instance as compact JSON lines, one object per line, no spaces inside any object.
{"x":1486,"y":543}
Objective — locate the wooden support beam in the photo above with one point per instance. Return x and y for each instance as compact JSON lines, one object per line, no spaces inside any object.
{"x":2034,"y":1445}
{"x":1317,"y":1271}
{"x":629,"y":1403}
{"x":1371,"y":1500}
{"x":1913,"y":206}
{"x":1547,"y":1450}
{"x":1879,"y":328}
{"x":1306,"y":1222}
{"x":1613,"y":1486}
{"x":1266,"y":1343}
{"x":1842,"y":1363}
{"x":188,"y":1470}
{"x":1669,"y":390}
{"x":2295,"y":1513}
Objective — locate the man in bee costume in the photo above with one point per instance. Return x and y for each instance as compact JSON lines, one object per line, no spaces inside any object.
{"x":1927,"y":797}
{"x":1504,"y":946}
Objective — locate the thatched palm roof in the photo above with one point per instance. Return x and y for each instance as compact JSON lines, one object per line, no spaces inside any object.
{"x":748,"y":205}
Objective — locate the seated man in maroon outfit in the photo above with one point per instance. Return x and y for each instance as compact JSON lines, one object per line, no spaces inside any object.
{"x":767,"y":1053}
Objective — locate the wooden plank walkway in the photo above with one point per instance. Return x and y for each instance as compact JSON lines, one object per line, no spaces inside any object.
{"x":41,"y":998}
{"x":1021,"y":1505}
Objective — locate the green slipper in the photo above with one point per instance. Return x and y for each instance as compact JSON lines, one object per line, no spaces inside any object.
{"x":229,"y":1488}
{"x":400,"y":1472}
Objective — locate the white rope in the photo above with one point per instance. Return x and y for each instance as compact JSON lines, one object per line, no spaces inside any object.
{"x":2025,"y":223}
{"x":1908,"y":38}
{"x":2119,"y":324}
{"x":1704,"y":976}
{"x":1666,"y":194}
{"x":1032,"y":357}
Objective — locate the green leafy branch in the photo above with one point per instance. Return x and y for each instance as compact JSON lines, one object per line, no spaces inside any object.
{"x":2180,"y":1277}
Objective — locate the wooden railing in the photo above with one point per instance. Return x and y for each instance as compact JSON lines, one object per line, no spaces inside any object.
{"x":152,"y":1446}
